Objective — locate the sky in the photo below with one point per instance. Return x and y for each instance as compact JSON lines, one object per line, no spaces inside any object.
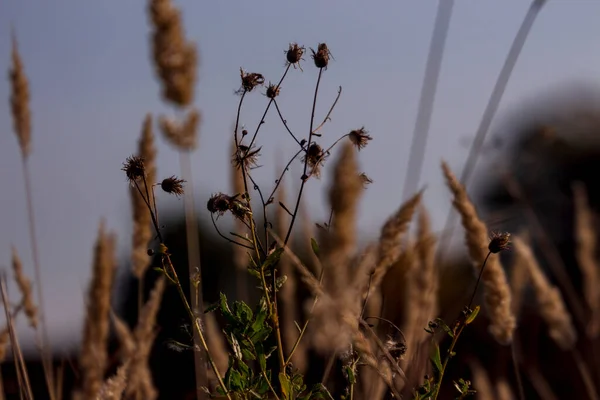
{"x":92,"y":82}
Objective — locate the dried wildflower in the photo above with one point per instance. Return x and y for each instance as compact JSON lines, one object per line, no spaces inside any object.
{"x":272,"y":90}
{"x":172,"y":185}
{"x":365,"y":180}
{"x":359,"y":137}
{"x":499,"y":241}
{"x":321,"y":56}
{"x":246,"y":157}
{"x":314,"y":157}
{"x":294,"y":53}
{"x":134,"y":168}
{"x":250,"y":81}
{"x":220,"y":203}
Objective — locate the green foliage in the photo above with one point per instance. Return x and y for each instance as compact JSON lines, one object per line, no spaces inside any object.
{"x":431,"y":386}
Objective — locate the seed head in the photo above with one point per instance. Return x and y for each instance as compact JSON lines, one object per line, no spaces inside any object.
{"x":321,"y":56}
{"x":172,"y":185}
{"x":499,"y":241}
{"x":359,"y":137}
{"x":272,"y":91}
{"x":250,"y":81}
{"x":245,"y":157}
{"x":134,"y":168}
{"x":314,"y":157}
{"x":294,"y":53}
{"x":220,"y":203}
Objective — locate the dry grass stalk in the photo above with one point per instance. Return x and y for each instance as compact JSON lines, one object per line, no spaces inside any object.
{"x":585,"y":251}
{"x":481,"y":381}
{"x":519,"y":280}
{"x":391,"y":236}
{"x":240,"y":257}
{"x":113,"y":387}
{"x":339,"y":310}
{"x":93,"y":358}
{"x":4,"y":341}
{"x":22,"y":374}
{"x":216,"y":343}
{"x":182,"y":135}
{"x":421,"y":287}
{"x":175,"y":59}
{"x":24,"y":286}
{"x":142,"y":221}
{"x":19,"y":101}
{"x":551,"y":304}
{"x":124,"y":335}
{"x":339,"y":242}
{"x":504,"y":391}
{"x":496,"y":290}
{"x":139,"y":384}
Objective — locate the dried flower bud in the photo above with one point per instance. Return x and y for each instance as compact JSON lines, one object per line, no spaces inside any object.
{"x":134,"y":168}
{"x":314,"y":157}
{"x":221,"y":203}
{"x":245,"y":157}
{"x":218,"y":203}
{"x":172,"y":185}
{"x":294,"y":53}
{"x":499,"y":241}
{"x":321,"y":56}
{"x":244,"y":132}
{"x":364,"y":179}
{"x":250,"y":81}
{"x":359,"y":137}
{"x":272,"y":91}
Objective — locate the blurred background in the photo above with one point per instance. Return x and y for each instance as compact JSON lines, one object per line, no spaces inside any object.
{"x":92,"y":83}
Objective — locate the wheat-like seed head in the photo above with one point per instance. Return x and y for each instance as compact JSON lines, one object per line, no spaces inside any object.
{"x":175,"y":59}
{"x":496,"y":290}
{"x":421,"y":286}
{"x":140,"y":377}
{"x":24,"y":285}
{"x":551,"y":304}
{"x":19,"y":101}
{"x":183,"y":135}
{"x":391,"y":236}
{"x":94,"y":356}
{"x":585,"y":251}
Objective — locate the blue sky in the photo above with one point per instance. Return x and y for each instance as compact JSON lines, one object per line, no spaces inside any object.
{"x":92,"y":83}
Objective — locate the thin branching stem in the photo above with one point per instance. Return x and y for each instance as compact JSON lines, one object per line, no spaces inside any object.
{"x":304,"y":179}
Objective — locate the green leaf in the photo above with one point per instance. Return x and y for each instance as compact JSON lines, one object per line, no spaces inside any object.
{"x":262,"y":361}
{"x":445,"y":327}
{"x":211,"y":307}
{"x":315,"y":246}
{"x":351,"y":376}
{"x":286,"y":386}
{"x":225,"y":310}
{"x":236,"y":382}
{"x":473,"y":315}
{"x":272,"y":259}
{"x":243,"y":313}
{"x":436,"y":358}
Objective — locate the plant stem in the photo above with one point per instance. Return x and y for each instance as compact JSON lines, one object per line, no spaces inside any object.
{"x":196,"y":324}
{"x":43,"y":331}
